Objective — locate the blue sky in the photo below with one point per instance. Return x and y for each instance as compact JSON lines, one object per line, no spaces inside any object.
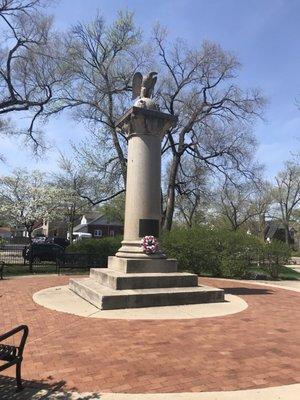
{"x":264,"y":34}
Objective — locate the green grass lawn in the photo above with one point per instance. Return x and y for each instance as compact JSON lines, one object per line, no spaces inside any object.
{"x":296,"y":253}
{"x":286,"y":273}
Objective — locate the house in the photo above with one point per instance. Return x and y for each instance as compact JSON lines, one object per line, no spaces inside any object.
{"x":275,"y":230}
{"x":98,"y":225}
{"x":5,"y":232}
{"x":14,"y":234}
{"x":50,"y":228}
{"x":19,"y":231}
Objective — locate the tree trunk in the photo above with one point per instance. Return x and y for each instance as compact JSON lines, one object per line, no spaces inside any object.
{"x":287,"y":234}
{"x":29,"y":235}
{"x":168,"y":217}
{"x":31,"y":254}
{"x":262,"y":226}
{"x":71,"y":227}
{"x":71,"y":224}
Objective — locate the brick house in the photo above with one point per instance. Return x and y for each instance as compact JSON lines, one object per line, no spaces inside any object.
{"x":6,"y":232}
{"x":99,"y":226}
{"x":50,"y":228}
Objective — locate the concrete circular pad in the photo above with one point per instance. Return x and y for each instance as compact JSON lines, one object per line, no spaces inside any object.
{"x":287,"y":392}
{"x":61,"y":298}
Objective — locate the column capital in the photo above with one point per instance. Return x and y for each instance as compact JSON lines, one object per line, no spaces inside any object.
{"x":142,"y":121}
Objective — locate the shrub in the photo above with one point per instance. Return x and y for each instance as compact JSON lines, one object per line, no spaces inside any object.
{"x":274,"y":256}
{"x":100,"y":248}
{"x":195,"y":249}
{"x":237,"y":251}
{"x":218,"y":252}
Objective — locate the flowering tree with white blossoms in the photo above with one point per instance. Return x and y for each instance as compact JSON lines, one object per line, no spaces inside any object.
{"x":26,"y":198}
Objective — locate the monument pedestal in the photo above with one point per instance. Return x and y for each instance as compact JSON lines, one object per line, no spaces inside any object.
{"x":135,"y":283}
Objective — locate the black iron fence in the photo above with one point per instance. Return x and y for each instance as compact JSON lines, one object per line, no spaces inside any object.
{"x":12,"y":255}
{"x":15,"y":256}
{"x":18,"y":240}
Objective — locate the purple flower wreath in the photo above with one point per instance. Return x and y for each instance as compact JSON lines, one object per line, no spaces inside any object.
{"x":150,"y":245}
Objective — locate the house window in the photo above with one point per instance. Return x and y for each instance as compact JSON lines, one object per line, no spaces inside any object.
{"x":98,"y":232}
{"x":111,"y":233}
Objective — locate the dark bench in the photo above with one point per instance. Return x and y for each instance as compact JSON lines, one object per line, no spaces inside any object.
{"x":77,"y":261}
{"x":13,"y":355}
{"x":1,"y":269}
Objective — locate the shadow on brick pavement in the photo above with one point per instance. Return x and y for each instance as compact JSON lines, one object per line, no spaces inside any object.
{"x":243,"y":291}
{"x":38,"y":390}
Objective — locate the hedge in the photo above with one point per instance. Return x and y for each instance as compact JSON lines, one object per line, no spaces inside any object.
{"x":101,"y":248}
{"x":204,"y":251}
{"x":223,"y":253}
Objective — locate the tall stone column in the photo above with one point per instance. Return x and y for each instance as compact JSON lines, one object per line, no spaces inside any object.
{"x":145,"y":127}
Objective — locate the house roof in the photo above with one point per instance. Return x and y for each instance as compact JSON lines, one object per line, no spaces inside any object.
{"x":79,"y":228}
{"x":272,"y":226}
{"x":91,"y":215}
{"x":38,"y":224}
{"x":5,"y":229}
{"x":98,"y":220}
{"x":103,"y":220}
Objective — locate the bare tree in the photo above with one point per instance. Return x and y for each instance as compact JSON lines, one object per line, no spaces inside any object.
{"x":29,"y":71}
{"x":71,"y":181}
{"x":104,"y":169}
{"x":262,"y":200}
{"x":102,"y":59}
{"x":235,"y":202}
{"x":114,"y":209}
{"x":287,"y":195}
{"x":82,"y":187}
{"x":193,"y":193}
{"x":85,"y":183}
{"x":214,"y":113}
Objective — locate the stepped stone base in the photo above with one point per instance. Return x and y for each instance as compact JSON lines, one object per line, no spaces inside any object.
{"x":150,"y":265}
{"x":128,"y":283}
{"x":120,"y":281}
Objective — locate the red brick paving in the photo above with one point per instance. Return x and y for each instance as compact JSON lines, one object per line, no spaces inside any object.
{"x":259,"y":347}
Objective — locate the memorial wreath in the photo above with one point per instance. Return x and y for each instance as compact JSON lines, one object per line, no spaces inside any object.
{"x":150,"y":244}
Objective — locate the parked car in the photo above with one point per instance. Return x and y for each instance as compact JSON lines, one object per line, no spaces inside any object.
{"x":77,"y":236}
{"x":58,"y":240}
{"x":39,"y":239}
{"x":37,"y":252}
{"x":51,"y":239}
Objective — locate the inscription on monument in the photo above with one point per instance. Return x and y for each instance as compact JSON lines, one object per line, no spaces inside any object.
{"x":148,"y":227}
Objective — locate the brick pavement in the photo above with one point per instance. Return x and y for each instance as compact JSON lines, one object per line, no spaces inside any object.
{"x":259,"y":347}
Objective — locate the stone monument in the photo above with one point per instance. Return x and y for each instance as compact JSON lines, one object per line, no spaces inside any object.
{"x":135,"y":278}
